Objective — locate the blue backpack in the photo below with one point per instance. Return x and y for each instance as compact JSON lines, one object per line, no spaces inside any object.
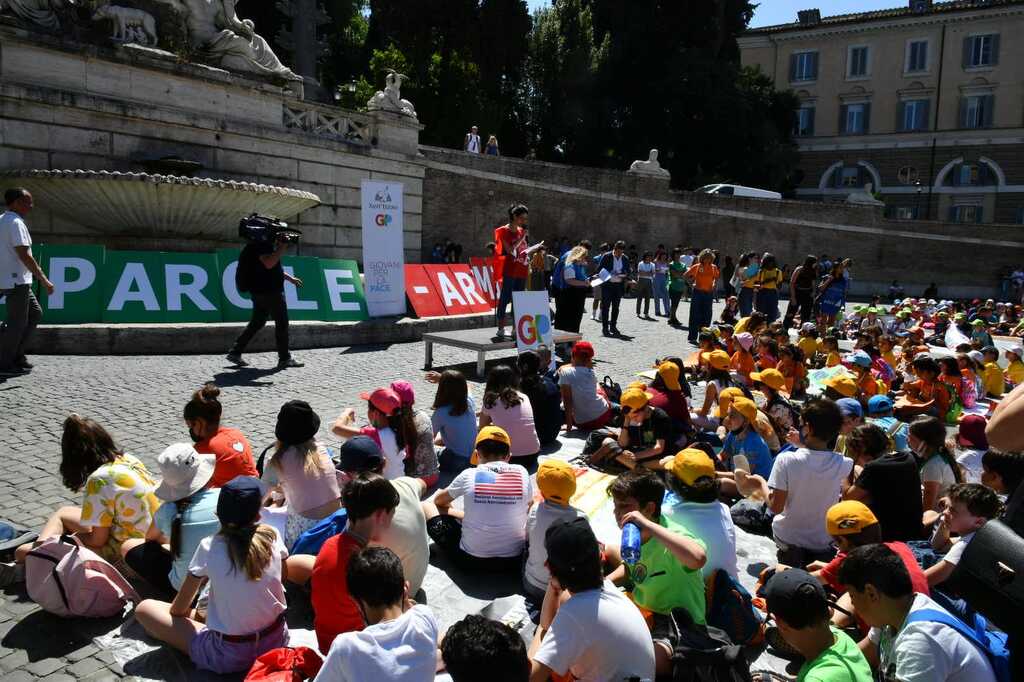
{"x":326,"y":528}
{"x":558,"y":274}
{"x":991,"y":643}
{"x":731,"y":609}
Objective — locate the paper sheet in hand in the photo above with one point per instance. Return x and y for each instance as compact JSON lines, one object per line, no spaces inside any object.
{"x":600,"y":278}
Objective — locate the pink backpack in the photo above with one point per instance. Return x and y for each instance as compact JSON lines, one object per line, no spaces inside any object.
{"x":70,"y":580}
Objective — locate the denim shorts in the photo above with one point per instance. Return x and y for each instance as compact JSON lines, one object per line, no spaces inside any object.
{"x":209,"y":650}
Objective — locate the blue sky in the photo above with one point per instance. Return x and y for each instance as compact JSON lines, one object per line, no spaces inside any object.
{"x":784,"y":11}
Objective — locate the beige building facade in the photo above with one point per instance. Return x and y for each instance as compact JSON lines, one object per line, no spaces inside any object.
{"x":922,"y":105}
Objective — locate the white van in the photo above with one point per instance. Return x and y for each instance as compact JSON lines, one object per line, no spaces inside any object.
{"x":739,"y":191}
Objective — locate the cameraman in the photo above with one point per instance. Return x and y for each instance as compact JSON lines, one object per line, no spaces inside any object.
{"x":261,"y":275}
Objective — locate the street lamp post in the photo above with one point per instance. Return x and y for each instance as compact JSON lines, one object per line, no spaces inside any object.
{"x":917,"y":202}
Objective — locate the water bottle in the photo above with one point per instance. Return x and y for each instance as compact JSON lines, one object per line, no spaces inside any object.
{"x":631,"y":544}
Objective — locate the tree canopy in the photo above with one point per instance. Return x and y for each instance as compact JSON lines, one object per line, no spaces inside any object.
{"x":591,"y":82}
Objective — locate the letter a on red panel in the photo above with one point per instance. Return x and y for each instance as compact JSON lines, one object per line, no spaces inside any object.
{"x":419,"y":289}
{"x":464,"y":279}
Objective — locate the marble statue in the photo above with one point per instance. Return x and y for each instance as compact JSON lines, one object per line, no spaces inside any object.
{"x":390,"y":98}
{"x":41,"y":13}
{"x":130,"y":25}
{"x":224,"y":40}
{"x":864,"y":197}
{"x":649,"y":167}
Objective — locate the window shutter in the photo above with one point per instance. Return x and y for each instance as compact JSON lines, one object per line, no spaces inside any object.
{"x":866,"y":128}
{"x":842,"y":119}
{"x":995,"y":49}
{"x":814,"y":66}
{"x":810,"y":120}
{"x":924,"y":112}
{"x":901,"y":117}
{"x":966,"y":61}
{"x":963,"y":112}
{"x":988,"y":104}
{"x":792,"y":68}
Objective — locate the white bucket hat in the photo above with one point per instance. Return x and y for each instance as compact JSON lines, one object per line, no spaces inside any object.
{"x":184,"y":472}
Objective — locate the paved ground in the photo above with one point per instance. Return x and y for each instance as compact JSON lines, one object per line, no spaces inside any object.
{"x":140,"y":399}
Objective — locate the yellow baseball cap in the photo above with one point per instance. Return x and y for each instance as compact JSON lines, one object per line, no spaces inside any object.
{"x":556,"y":480}
{"x":746,"y":407}
{"x":691,"y":464}
{"x":725,"y":398}
{"x":642,"y":385}
{"x":771,"y":377}
{"x":848,"y":517}
{"x":635,"y":398}
{"x":493,"y":433}
{"x":669,"y":372}
{"x":843,"y":384}
{"x":718,"y":359}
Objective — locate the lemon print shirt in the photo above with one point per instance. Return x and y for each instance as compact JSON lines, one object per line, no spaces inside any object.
{"x":120,"y":496}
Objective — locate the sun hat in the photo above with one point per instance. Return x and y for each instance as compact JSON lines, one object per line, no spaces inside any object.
{"x":718,"y":359}
{"x":384,"y":399}
{"x":359,"y":453}
{"x":669,"y":373}
{"x":849,"y":407}
{"x":406,"y":393}
{"x":843,"y":384}
{"x":556,"y":480}
{"x":977,"y":322}
{"x":635,"y":398}
{"x":184,"y":472}
{"x":745,"y":339}
{"x":691,"y":464}
{"x":859,"y":358}
{"x":495,"y":433}
{"x":1016,"y":350}
{"x":971,"y":433}
{"x":977,"y":356}
{"x":746,"y":407}
{"x":240,"y":500}
{"x":848,"y":517}
{"x":771,"y":377}
{"x":879,"y":404}
{"x":296,"y":423}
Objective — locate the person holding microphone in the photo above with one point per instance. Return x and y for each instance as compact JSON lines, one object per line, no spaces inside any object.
{"x":510,"y":254}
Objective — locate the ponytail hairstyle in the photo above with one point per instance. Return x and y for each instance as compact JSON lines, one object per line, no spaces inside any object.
{"x":250,"y":547}
{"x":307,"y":452}
{"x":515,"y":210}
{"x":407,"y":427}
{"x":502,"y":382}
{"x":204,"y":405}
{"x":529,"y":370}
{"x":933,"y":433}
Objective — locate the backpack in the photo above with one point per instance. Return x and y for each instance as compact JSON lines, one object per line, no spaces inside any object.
{"x":286,"y":664}
{"x":558,"y":274}
{"x":991,"y":643}
{"x":68,"y":579}
{"x":612,"y":390}
{"x":326,"y":528}
{"x":705,"y":654}
{"x":730,"y":608}
{"x":244,"y":275}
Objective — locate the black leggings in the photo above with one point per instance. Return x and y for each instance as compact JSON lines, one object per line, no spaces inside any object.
{"x":153,"y":563}
{"x":673,"y":297}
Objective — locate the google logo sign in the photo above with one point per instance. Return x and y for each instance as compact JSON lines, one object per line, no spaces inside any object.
{"x":531,"y":329}
{"x":383,"y":220}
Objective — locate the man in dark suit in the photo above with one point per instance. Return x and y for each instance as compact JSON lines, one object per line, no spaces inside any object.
{"x":617,"y":264}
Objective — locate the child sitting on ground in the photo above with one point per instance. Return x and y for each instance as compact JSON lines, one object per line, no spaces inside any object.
{"x":743,"y":439}
{"x":808,"y":341}
{"x":830,"y":349}
{"x":969,"y":506}
{"x":767,"y":353}
{"x":781,"y":413}
{"x":476,"y":643}
{"x":557,"y":483}
{"x":992,"y":374}
{"x":668,"y":574}
{"x":399,"y":641}
{"x":791,"y":366}
{"x":742,"y":362}
{"x":1014,"y":372}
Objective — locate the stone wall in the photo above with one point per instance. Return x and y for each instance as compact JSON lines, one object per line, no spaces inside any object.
{"x":69,"y":106}
{"x":468,"y":197}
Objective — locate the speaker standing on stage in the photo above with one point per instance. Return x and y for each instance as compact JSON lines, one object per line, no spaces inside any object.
{"x":510,"y":256}
{"x":617,"y":265}
{"x":261,"y":274}
{"x":17,"y":266}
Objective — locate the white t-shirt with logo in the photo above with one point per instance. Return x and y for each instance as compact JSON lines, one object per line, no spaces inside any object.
{"x":599,"y":636}
{"x":13,"y":232}
{"x":929,"y":652}
{"x":401,"y":649}
{"x":497,"y":497}
{"x":812,"y":480}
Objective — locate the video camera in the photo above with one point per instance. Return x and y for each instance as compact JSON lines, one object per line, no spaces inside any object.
{"x":258,"y":228}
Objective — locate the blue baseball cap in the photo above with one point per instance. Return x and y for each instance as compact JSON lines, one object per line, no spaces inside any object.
{"x":879,"y":404}
{"x":360,"y":453}
{"x":860,"y":358}
{"x":849,"y":407}
{"x":240,"y":501}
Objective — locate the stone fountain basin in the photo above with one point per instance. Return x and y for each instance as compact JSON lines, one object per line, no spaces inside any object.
{"x":147,"y":205}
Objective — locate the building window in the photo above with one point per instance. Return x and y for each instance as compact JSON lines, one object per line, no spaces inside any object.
{"x":917,"y":56}
{"x":1020,"y":216}
{"x":915,"y":114}
{"x":903,"y":212}
{"x":971,"y":175}
{"x":976,"y":111}
{"x":857,"y":62}
{"x":850,"y":177}
{"x":804,"y":122}
{"x":980,"y":51}
{"x":854,"y":119}
{"x":965,"y":214}
{"x":803,"y":66}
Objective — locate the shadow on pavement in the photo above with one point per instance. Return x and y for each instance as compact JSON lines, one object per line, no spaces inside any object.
{"x":44,"y":635}
{"x":244,"y":376}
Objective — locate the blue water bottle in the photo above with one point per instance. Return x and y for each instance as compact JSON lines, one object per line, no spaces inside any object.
{"x":631,"y":544}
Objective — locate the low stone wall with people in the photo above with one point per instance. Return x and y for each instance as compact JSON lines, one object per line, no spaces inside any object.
{"x":468,"y":195}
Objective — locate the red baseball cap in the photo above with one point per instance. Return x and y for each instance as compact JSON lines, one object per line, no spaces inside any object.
{"x":583,"y":349}
{"x":384,"y":399}
{"x":972,"y":432}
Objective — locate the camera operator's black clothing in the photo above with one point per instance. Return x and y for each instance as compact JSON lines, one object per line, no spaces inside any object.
{"x":259,"y":278}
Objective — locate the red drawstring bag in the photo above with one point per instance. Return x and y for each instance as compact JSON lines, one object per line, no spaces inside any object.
{"x":286,"y":665}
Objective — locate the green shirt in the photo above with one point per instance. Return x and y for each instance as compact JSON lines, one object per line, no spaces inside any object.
{"x":676,"y":270}
{"x":841,"y":662}
{"x":661,"y":583}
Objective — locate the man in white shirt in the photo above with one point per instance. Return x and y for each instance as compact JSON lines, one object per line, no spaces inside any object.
{"x":597,"y":634}
{"x":472,"y":142}
{"x":908,"y":641}
{"x":17,"y":266}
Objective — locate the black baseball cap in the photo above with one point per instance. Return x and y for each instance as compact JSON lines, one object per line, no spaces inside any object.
{"x":240,"y":500}
{"x":358,"y":454}
{"x":794,"y":593}
{"x":571,"y":544}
